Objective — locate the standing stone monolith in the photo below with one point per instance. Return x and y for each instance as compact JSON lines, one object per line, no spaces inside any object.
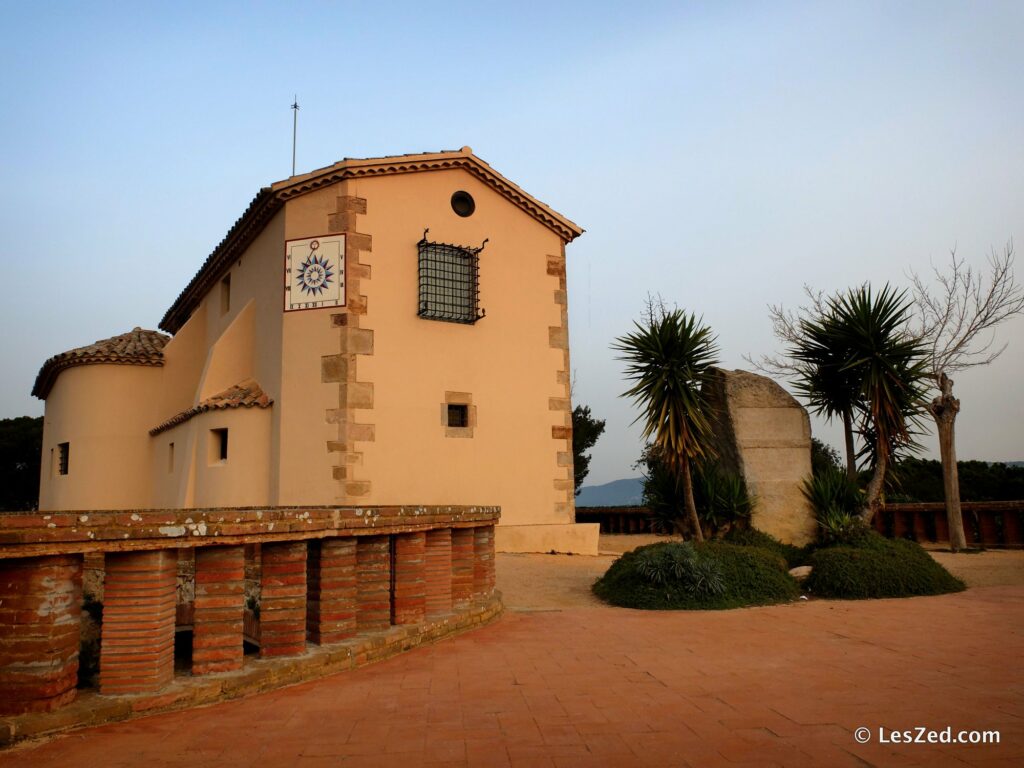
{"x":763,"y":434}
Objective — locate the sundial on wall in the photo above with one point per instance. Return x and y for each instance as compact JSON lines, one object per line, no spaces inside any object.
{"x":314,"y":272}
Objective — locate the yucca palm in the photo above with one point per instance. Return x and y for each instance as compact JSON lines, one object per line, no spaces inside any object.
{"x":830,"y":388}
{"x":868,"y":333}
{"x":667,"y":360}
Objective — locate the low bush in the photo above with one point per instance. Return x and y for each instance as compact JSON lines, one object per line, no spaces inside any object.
{"x":713,"y":575}
{"x":877,"y":567}
{"x":751,"y":537}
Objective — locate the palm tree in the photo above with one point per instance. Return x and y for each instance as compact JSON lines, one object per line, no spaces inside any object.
{"x":668,"y":359}
{"x":830,"y":388}
{"x":868,"y":335}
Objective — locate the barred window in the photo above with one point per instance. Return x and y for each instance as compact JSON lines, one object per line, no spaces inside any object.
{"x":449,"y":282}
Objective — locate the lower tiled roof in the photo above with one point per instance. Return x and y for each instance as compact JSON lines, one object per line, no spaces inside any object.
{"x":137,"y":347}
{"x":247,"y":394}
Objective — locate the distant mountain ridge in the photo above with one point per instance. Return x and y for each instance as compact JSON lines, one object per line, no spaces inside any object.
{"x":618,"y":493}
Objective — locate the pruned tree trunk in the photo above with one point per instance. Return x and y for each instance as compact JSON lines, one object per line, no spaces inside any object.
{"x":691,"y":505}
{"x":875,"y":485}
{"x":851,"y":453}
{"x":944,"y":409}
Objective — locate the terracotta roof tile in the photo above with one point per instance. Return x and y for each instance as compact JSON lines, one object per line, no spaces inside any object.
{"x":247,"y":394}
{"x":137,"y":347}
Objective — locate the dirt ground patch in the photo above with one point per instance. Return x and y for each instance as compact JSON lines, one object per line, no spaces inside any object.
{"x":991,"y":568}
{"x":557,"y":582}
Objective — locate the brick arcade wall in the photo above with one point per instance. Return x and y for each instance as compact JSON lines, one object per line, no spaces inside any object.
{"x":483,"y":561}
{"x":332,"y":591}
{"x":137,"y":653}
{"x":462,"y":565}
{"x":410,"y":597}
{"x":422,"y":572}
{"x":438,"y":573}
{"x":373,"y":583}
{"x":39,"y":632}
{"x":219,"y":602}
{"x":283,"y":599}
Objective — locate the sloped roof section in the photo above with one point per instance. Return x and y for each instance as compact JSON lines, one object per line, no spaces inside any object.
{"x":137,"y":347}
{"x":247,"y":394}
{"x":270,"y":199}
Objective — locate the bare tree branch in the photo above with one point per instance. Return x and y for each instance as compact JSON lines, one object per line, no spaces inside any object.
{"x":958,"y":312}
{"x":786,"y":327}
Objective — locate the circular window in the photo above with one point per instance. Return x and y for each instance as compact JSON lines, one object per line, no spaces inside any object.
{"x":463,"y":204}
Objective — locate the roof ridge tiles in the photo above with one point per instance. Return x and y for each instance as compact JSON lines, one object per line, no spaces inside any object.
{"x":245,"y":394}
{"x":137,"y":347}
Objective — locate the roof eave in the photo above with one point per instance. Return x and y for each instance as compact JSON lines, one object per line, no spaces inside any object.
{"x":269,"y":199}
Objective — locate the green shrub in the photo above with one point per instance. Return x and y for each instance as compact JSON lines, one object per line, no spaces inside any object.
{"x":838,"y":528}
{"x":721,"y":497}
{"x":678,"y":565}
{"x":837,"y":501}
{"x":877,"y":567}
{"x":751,"y":537}
{"x":716,"y":575}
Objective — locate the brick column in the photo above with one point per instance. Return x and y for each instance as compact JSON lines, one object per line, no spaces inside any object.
{"x":462,"y":565}
{"x":219,"y":602}
{"x":332,"y":591}
{"x":483,"y":561}
{"x":439,"y":572}
{"x":410,"y":578}
{"x":40,"y":601}
{"x":283,"y":599}
{"x":137,"y":641}
{"x":373,"y":583}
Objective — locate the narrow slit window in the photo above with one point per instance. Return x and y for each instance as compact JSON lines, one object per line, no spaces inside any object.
{"x":63,"y":457}
{"x":458,"y":415}
{"x":218,"y":446}
{"x":170,"y":457}
{"x":225,"y":294}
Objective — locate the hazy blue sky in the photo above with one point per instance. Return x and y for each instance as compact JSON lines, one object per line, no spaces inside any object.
{"x":722,"y":154}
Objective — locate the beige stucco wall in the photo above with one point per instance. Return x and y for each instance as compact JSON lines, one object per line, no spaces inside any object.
{"x":104,"y":412}
{"x":509,"y":363}
{"x":504,"y":361}
{"x":242,"y":480}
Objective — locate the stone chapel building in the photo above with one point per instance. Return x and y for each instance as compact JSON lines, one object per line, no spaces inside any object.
{"x":382,"y":331}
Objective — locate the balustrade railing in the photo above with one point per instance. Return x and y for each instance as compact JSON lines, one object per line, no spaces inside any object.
{"x":268,"y":579}
{"x":986,"y":523}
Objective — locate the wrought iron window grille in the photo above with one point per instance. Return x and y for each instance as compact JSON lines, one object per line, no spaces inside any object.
{"x":449,"y":279}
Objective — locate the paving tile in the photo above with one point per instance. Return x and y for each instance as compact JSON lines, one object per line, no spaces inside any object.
{"x":596,"y":686}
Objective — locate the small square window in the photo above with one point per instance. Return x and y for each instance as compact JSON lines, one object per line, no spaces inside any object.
{"x":63,"y":457}
{"x":218,"y":446}
{"x":458,"y":415}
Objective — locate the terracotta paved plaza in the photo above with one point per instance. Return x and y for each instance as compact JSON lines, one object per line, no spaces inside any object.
{"x":785,"y":685}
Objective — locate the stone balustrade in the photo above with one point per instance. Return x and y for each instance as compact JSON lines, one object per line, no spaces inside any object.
{"x":326,"y":576}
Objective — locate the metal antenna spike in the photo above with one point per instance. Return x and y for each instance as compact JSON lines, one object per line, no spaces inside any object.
{"x":295,"y":128}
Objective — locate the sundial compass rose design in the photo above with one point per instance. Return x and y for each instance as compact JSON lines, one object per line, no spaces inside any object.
{"x":314,"y":273}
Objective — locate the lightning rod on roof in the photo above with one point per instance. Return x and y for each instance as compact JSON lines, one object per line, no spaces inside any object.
{"x":295,"y":128}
